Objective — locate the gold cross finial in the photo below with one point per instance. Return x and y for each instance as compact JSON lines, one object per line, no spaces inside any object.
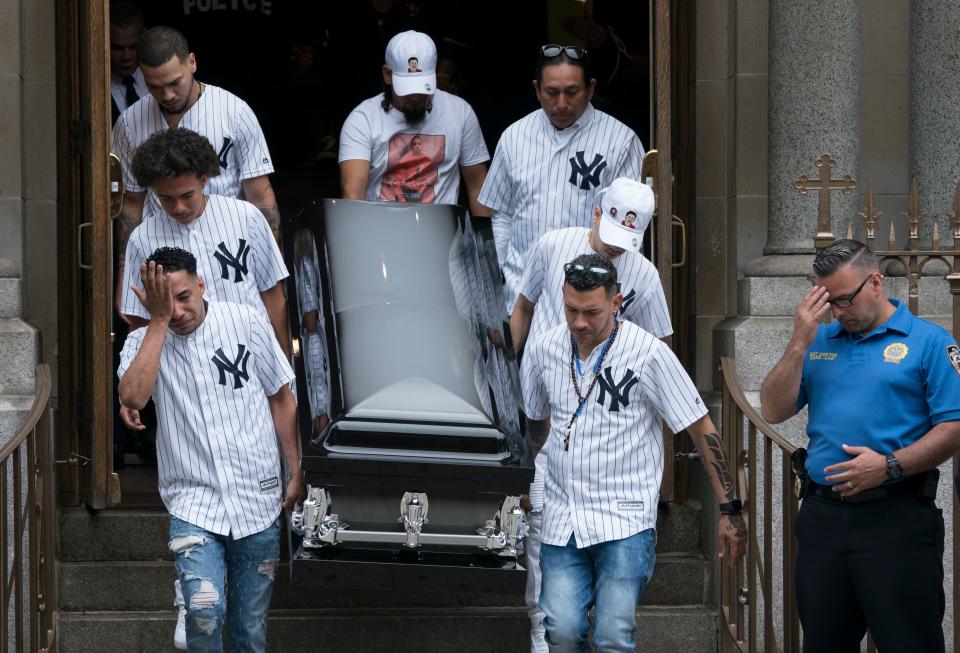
{"x":824,"y":184}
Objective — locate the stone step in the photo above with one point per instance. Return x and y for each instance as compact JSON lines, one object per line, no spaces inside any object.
{"x":19,"y":353}
{"x":85,"y":586}
{"x":689,"y":629}
{"x":143,"y":534}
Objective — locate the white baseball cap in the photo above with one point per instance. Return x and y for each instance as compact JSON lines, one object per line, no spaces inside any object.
{"x":412,"y":58}
{"x":626,"y":210}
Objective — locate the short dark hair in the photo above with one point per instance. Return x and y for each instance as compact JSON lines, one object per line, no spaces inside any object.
{"x":124,"y":14}
{"x":159,"y":44}
{"x":583,"y":63}
{"x":583,"y":281}
{"x":843,"y":252}
{"x":174,"y":259}
{"x":174,"y":152}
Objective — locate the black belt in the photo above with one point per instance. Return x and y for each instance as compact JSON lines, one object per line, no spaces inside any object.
{"x":922,"y":485}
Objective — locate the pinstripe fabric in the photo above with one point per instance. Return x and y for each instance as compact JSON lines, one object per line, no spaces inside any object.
{"x":605,"y":487}
{"x":367,"y":131}
{"x":217,"y":453}
{"x":215,"y":239}
{"x":223,"y":118}
{"x":536,"y":183}
{"x":314,"y":344}
{"x":644,"y":303}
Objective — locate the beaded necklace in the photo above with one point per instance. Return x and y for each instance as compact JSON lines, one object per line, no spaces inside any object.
{"x":574,"y":364}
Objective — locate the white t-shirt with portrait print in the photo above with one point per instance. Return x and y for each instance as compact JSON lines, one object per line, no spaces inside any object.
{"x":414,"y":162}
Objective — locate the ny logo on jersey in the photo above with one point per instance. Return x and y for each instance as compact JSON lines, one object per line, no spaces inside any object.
{"x":627,"y":300}
{"x":224,"y":149}
{"x":589,"y":175}
{"x":237,"y":366}
{"x":238,"y":262}
{"x":619,"y":391}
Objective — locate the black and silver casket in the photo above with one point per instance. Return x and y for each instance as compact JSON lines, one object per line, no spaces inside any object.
{"x":408,"y":391}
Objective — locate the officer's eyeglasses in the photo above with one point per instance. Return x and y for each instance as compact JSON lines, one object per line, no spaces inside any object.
{"x":552,"y":50}
{"x":846,"y":301}
{"x":594,"y":273}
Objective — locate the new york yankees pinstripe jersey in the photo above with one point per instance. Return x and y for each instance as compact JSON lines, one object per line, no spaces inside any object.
{"x":220,"y":116}
{"x":218,"y":458}
{"x":644,"y":303}
{"x":605,"y":487}
{"x":232,"y":242}
{"x":542,"y":178}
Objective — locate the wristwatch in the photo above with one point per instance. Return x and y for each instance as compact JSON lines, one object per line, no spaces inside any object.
{"x":894,"y":470}
{"x":734,"y":507}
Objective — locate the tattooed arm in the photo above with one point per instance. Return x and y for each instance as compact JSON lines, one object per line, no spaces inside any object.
{"x":259,"y":192}
{"x":733,"y":530}
{"x":131,"y":212}
{"x":539,"y":431}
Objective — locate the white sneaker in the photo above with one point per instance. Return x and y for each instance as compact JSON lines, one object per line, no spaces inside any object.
{"x":180,"y":634}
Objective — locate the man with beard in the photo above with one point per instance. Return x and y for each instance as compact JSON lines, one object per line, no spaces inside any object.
{"x":412,"y":143}
{"x":177,"y":99}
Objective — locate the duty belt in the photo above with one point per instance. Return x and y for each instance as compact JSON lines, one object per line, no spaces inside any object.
{"x":922,"y":485}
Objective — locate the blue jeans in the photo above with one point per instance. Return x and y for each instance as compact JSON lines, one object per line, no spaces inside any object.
{"x":207,"y":564}
{"x":611,"y":576}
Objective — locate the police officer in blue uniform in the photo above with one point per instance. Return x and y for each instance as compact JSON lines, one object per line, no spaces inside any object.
{"x":883,"y":388}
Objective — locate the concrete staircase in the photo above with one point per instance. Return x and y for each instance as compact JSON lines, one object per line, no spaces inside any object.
{"x":116,"y":594}
{"x":18,"y":355}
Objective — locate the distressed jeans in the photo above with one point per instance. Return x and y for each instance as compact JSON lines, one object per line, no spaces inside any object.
{"x":611,"y":576}
{"x":207,"y":564}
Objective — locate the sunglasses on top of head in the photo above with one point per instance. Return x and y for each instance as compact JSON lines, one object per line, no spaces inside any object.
{"x":553,"y":50}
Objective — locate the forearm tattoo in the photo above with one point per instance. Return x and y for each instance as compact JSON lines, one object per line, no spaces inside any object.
{"x":539,"y":432}
{"x":738,"y":526}
{"x":716,"y":460}
{"x":272,"y":214}
{"x":126,"y":226}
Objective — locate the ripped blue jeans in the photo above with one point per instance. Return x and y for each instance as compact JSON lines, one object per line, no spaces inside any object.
{"x":208,"y":564}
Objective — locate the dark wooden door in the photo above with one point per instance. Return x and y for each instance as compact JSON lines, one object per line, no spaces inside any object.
{"x":85,"y":438}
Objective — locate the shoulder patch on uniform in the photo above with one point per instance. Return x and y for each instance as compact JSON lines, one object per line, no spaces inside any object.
{"x":895,"y":352}
{"x":953,"y":353}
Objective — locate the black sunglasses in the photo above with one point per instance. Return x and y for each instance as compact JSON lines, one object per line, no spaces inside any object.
{"x":596,"y":273}
{"x":846,"y":301}
{"x":552,"y":50}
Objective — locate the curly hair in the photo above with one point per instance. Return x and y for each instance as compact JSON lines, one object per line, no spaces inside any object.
{"x":174,"y":259}
{"x":174,"y":152}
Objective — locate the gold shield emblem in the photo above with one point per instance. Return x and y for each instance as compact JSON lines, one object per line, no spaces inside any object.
{"x":895,"y":353}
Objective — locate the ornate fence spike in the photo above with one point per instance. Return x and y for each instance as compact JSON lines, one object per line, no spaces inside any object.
{"x":849,"y":231}
{"x":892,"y":242}
{"x":936,"y":237}
{"x":914,"y":219}
{"x":870,"y":214}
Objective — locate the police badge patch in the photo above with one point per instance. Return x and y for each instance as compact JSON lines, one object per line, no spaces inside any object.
{"x":953,"y":353}
{"x":895,"y":353}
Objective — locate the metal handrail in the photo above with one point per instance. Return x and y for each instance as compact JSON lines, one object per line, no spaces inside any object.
{"x":750,"y":440}
{"x":30,"y":577}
